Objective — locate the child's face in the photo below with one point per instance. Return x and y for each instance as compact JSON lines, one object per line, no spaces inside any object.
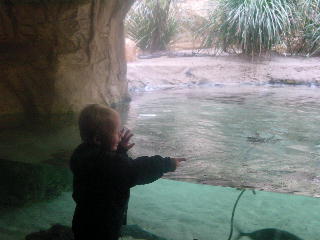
{"x":115,"y":138}
{"x":107,"y":140}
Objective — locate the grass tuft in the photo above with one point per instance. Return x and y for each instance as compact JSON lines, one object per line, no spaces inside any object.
{"x":152,"y":24}
{"x":251,"y":26}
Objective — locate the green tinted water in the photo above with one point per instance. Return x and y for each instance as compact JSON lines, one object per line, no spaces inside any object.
{"x":184,"y":211}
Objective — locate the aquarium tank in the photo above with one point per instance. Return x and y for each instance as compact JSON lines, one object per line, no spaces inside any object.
{"x":232,"y":86}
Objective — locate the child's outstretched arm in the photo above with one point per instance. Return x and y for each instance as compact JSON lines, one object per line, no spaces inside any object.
{"x":144,"y":169}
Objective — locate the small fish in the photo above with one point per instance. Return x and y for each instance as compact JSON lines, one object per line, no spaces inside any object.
{"x":269,"y":234}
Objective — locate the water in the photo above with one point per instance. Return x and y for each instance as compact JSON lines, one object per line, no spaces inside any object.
{"x":264,"y":137}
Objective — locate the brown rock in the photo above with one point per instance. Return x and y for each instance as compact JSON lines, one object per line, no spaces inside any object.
{"x":57,"y":56}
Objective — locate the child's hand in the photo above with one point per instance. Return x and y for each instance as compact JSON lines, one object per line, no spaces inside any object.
{"x":125,"y":136}
{"x":178,"y":161}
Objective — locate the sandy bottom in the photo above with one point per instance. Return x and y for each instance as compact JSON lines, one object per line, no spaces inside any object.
{"x":166,"y":73}
{"x":181,"y":211}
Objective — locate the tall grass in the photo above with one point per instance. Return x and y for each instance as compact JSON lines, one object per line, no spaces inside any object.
{"x":256,"y":26}
{"x":310,"y":27}
{"x":252,"y":26}
{"x":152,"y":24}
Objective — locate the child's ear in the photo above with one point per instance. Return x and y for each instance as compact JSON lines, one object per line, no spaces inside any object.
{"x":97,"y":140}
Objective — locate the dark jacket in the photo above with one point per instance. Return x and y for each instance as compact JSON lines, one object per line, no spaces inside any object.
{"x":101,"y":188}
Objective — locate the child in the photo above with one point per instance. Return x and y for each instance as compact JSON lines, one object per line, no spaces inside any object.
{"x":103,"y":174}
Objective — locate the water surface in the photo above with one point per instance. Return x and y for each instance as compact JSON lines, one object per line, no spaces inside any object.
{"x":265,"y":137}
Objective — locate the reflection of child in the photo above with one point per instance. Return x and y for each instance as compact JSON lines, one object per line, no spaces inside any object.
{"x":103,"y":174}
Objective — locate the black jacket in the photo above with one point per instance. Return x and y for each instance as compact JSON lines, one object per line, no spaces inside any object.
{"x":101,"y":188}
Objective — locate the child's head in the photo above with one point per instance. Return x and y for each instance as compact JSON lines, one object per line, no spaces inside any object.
{"x":100,"y":125}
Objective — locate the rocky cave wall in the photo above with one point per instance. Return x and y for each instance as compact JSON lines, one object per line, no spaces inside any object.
{"x":58,"y":55}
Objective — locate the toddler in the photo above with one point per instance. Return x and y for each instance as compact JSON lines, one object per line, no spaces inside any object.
{"x":103,"y":174}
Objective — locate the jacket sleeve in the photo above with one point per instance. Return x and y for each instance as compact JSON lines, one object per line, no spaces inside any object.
{"x":144,"y":170}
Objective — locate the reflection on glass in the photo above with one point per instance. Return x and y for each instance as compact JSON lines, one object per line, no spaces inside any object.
{"x":246,"y":137}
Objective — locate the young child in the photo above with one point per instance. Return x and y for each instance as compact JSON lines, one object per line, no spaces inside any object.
{"x":103,"y":174}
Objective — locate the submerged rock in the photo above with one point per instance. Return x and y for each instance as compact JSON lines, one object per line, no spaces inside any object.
{"x":60,"y":232}
{"x":138,"y":233}
{"x":294,"y":82}
{"x":56,"y":232}
{"x":22,"y":183}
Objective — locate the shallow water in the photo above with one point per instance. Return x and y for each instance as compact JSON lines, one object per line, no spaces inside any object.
{"x":264,"y":137}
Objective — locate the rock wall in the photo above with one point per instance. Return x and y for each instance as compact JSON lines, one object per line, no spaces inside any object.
{"x":58,"y":55}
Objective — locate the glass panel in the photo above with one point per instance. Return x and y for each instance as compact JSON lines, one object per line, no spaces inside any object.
{"x":179,"y":210}
{"x":260,"y":137}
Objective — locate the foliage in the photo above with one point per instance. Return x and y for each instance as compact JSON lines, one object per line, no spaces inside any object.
{"x":310,"y":25}
{"x":152,"y":24}
{"x":208,"y":30}
{"x":253,"y":26}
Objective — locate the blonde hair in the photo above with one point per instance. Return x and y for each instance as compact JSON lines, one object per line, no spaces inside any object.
{"x":93,"y":119}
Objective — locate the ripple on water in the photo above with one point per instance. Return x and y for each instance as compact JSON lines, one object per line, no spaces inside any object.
{"x":254,"y":135}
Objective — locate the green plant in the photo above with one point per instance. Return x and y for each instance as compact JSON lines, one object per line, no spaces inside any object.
{"x":208,"y":30}
{"x":310,"y":22}
{"x":312,"y":37}
{"x":152,"y":24}
{"x":252,"y":26}
{"x":234,"y":210}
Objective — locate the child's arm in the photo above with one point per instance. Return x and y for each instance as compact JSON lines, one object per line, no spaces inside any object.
{"x":142,"y":170}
